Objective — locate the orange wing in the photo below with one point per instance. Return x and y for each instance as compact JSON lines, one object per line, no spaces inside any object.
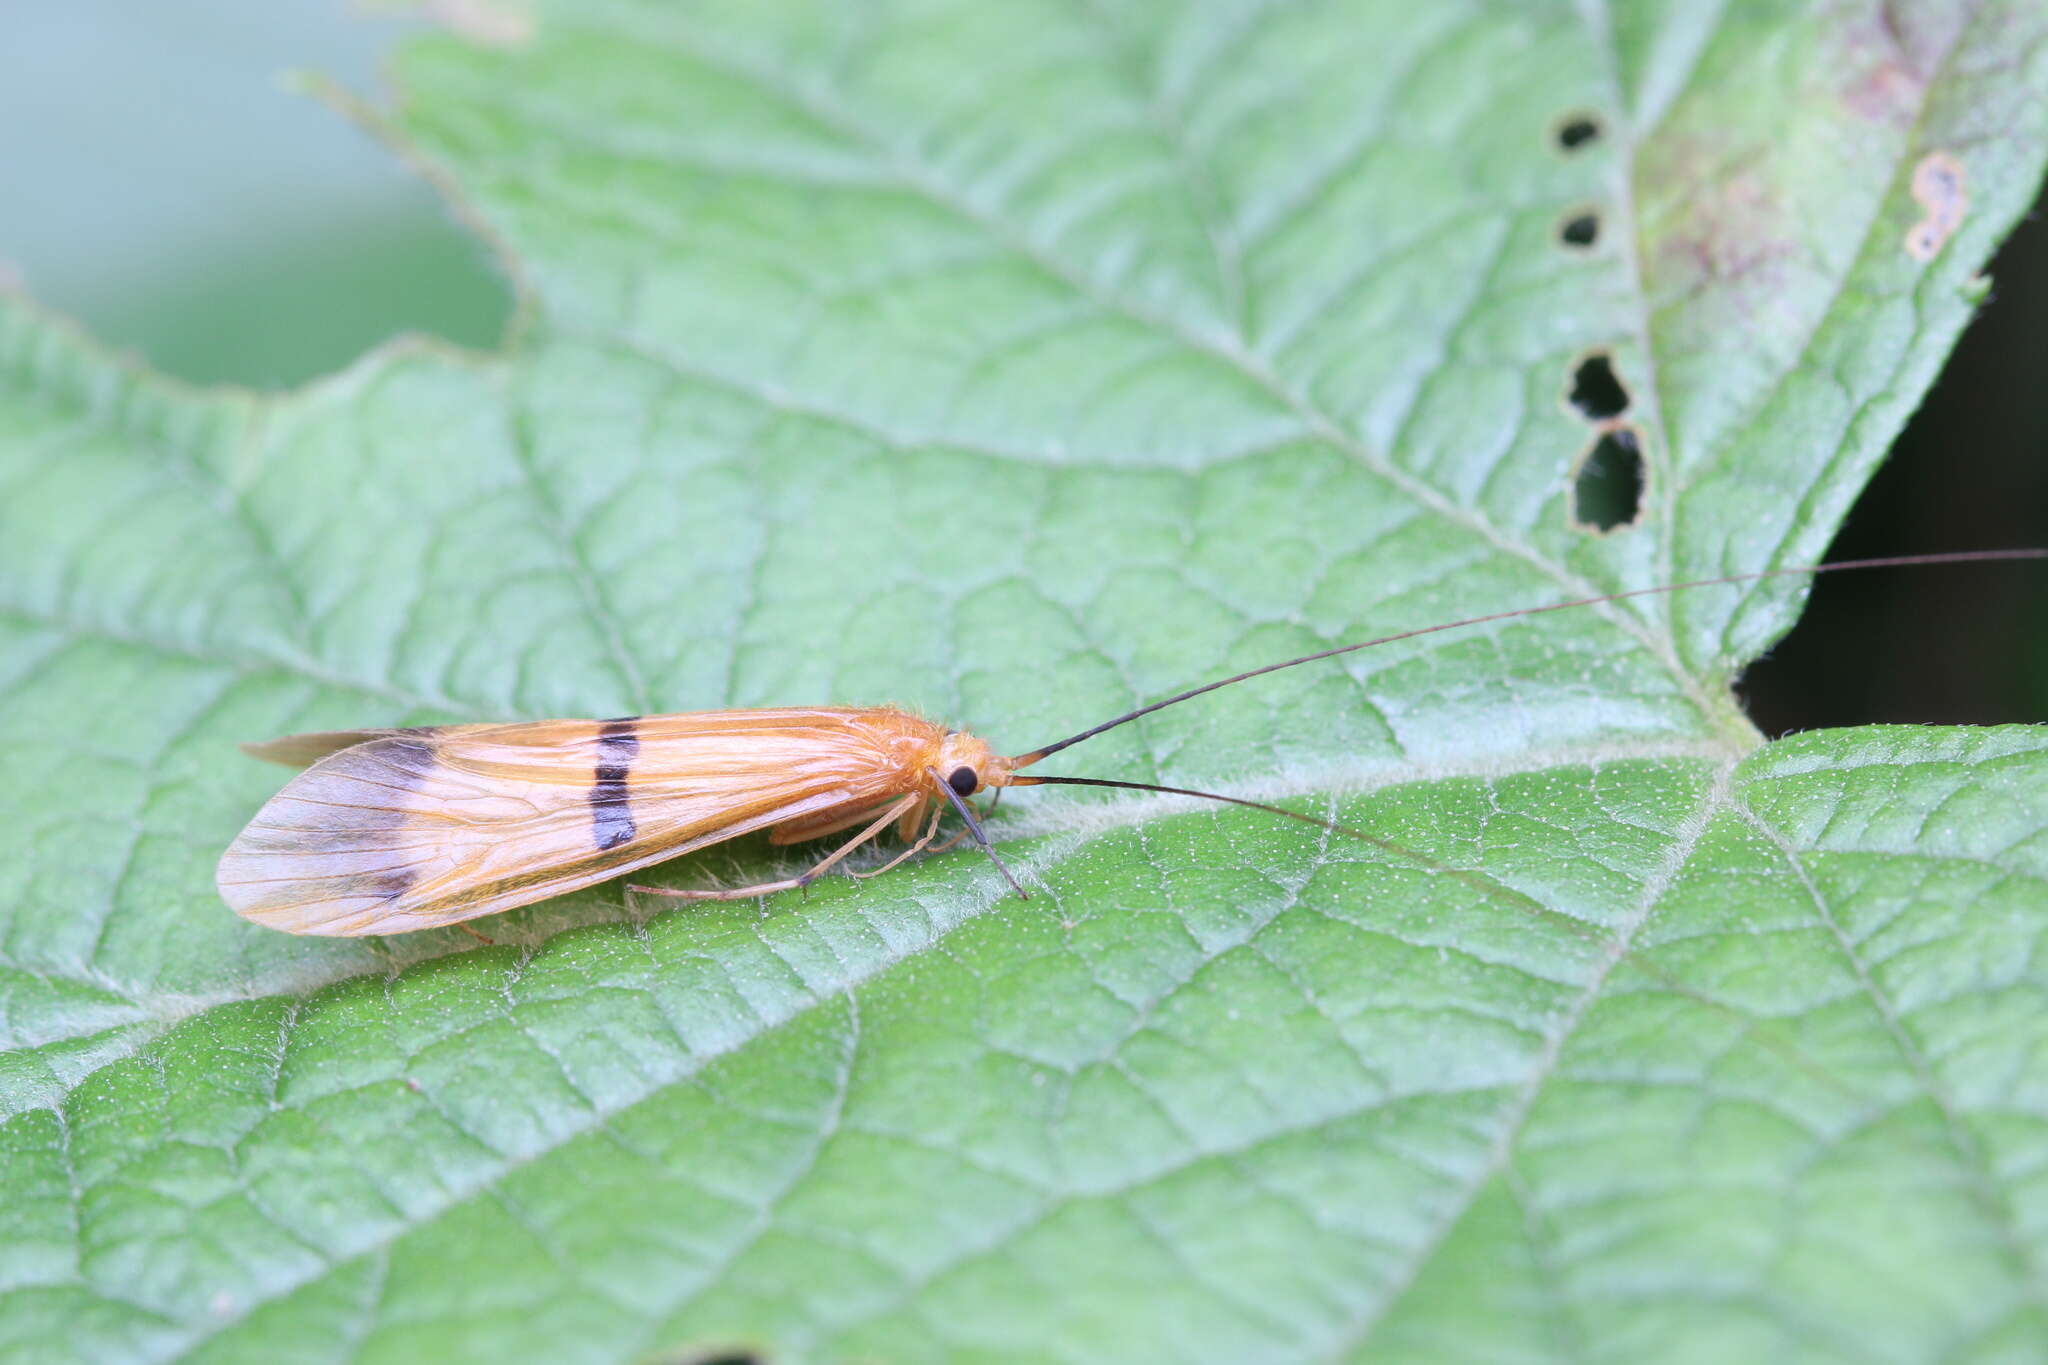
{"x":392,"y":830}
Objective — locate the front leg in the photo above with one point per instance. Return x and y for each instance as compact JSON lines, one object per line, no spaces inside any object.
{"x":993,"y":802}
{"x":740,"y":893}
{"x":930,"y":831}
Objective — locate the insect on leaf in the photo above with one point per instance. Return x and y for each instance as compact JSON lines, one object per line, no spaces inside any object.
{"x":1017,"y":364}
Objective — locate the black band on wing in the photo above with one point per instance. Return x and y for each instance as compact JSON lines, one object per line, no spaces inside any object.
{"x":412,"y":759}
{"x":611,"y":807}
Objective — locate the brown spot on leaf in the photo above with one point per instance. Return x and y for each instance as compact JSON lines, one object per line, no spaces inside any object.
{"x":1884,"y":93}
{"x":1885,"y":57}
{"x":1732,"y":228}
{"x":1941,"y":188}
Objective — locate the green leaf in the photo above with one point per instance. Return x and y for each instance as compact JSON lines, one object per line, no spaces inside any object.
{"x":1020,"y":363}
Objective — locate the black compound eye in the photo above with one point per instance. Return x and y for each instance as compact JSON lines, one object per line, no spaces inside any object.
{"x":963,"y":781}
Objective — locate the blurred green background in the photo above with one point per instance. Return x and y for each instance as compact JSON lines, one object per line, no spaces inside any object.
{"x":166,"y":187}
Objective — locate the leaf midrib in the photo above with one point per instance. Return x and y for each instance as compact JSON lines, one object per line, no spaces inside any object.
{"x":1075,"y":821}
{"x":593,"y":1115}
{"x":917,"y":179}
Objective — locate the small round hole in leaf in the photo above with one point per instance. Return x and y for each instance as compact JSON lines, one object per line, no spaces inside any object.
{"x":1596,"y":393}
{"x":1580,"y":230}
{"x":1575,"y":131}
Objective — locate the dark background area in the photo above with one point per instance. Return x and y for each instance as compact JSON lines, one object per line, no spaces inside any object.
{"x":1950,"y":645}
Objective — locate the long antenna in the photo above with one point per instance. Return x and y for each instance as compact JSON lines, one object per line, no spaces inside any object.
{"x":974,"y":828}
{"x":1887,"y":562}
{"x":1330,"y":825}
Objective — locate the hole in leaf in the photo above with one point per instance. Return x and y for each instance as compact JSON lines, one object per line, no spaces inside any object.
{"x":717,"y":1355}
{"x":1577,"y":130}
{"x":1580,"y":230}
{"x":1596,"y":393}
{"x":1607,"y":487}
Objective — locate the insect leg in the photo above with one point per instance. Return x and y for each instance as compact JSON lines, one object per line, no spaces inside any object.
{"x":951,"y":843}
{"x":994,"y":800}
{"x":740,"y":893}
{"x":930,"y":831}
{"x":945,"y":789}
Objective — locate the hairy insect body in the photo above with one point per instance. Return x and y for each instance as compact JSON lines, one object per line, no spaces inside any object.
{"x":392,"y":830}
